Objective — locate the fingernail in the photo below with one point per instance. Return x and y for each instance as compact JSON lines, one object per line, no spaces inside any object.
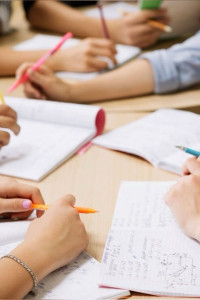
{"x":26,"y":204}
{"x":15,"y":219}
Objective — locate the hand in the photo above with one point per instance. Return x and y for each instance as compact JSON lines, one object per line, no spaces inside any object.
{"x":43,"y":84}
{"x":86,"y":56}
{"x":8,"y":119}
{"x":183,"y":199}
{"x":191,"y":166}
{"x":16,"y":199}
{"x":133,"y":29}
{"x":56,"y":238}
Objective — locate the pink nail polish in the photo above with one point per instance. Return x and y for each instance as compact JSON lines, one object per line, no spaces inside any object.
{"x":26,"y":204}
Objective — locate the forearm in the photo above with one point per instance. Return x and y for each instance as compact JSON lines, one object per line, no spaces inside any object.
{"x":58,"y":17}
{"x":133,"y":79}
{"x":15,"y":280}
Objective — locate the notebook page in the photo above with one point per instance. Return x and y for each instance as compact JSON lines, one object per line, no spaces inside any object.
{"x":78,"y":115}
{"x":43,"y":41}
{"x":165,"y":127}
{"x":40,"y":148}
{"x":77,"y":280}
{"x":152,"y":261}
{"x":146,"y":247}
{"x":141,"y":205}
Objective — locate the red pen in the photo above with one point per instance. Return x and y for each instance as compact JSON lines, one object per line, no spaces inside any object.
{"x":104,"y":26}
{"x":41,"y":61}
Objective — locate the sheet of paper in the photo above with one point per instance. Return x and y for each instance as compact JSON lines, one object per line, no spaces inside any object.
{"x":42,"y":41}
{"x":145,"y":250}
{"x":176,"y":127}
{"x":77,"y":280}
{"x":45,"y":140}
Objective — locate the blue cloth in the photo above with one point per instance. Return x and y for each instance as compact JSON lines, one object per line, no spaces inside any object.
{"x":176,"y":68}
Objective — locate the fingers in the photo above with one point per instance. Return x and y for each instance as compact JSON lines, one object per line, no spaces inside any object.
{"x":23,"y":69}
{"x":10,"y":123}
{"x":4,"y":138}
{"x":191,"y":166}
{"x":101,"y":43}
{"x":14,"y":205}
{"x":67,"y":200}
{"x":145,"y":15}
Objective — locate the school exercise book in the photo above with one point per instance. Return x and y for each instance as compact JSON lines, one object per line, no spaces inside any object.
{"x":146,"y":251}
{"x":155,"y":136}
{"x":77,"y":280}
{"x":50,"y":133}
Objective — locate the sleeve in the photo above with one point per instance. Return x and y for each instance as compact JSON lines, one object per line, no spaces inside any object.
{"x":177,"y":67}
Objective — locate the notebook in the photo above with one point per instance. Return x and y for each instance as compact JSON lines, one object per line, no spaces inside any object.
{"x":77,"y":280}
{"x":155,"y":136}
{"x":146,"y":251}
{"x":184,"y":14}
{"x":50,"y":133}
{"x":43,"y":41}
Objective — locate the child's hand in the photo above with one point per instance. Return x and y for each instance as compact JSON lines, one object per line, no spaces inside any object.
{"x":8,"y":119}
{"x":85,"y":57}
{"x":43,"y":84}
{"x":191,"y":166}
{"x":133,"y":29}
{"x":183,"y":199}
{"x":16,"y":199}
{"x":54,"y":239}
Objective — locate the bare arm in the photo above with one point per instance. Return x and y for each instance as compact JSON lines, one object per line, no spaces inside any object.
{"x":135,"y":78}
{"x":59,"y":17}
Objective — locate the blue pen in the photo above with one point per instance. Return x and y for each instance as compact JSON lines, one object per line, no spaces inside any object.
{"x":189,"y":150}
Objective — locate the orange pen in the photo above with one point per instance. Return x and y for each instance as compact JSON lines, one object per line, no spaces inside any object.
{"x":84,"y":210}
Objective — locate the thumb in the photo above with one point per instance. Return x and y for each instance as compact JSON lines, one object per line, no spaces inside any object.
{"x":38,"y":78}
{"x":14,"y":205}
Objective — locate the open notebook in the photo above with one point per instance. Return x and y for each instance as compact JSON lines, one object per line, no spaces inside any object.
{"x":154,"y":138}
{"x":43,"y":41}
{"x":50,"y":133}
{"x":146,"y":251}
{"x":77,"y":280}
{"x":184,"y":14}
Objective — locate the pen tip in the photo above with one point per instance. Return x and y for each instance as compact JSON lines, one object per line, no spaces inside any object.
{"x":180,"y":147}
{"x":168,"y":28}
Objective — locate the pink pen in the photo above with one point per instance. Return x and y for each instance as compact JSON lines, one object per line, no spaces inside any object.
{"x":41,"y":61}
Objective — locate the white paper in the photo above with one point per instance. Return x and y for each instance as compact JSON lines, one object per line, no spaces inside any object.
{"x":50,"y":133}
{"x":146,"y":251}
{"x":154,"y":137}
{"x":42,"y":41}
{"x":77,"y":280}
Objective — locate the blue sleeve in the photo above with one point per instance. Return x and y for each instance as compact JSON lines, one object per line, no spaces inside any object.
{"x":177,"y":67}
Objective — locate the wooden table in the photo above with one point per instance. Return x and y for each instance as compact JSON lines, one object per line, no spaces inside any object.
{"x":95,"y":176}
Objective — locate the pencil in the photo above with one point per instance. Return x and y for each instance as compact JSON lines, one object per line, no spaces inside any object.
{"x":36,"y":66}
{"x":1,"y":97}
{"x":84,"y":210}
{"x":160,"y":25}
{"x":153,"y":23}
{"x":103,"y":22}
{"x":189,"y":150}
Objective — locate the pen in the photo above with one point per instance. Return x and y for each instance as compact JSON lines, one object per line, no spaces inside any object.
{"x":84,"y":210}
{"x":41,"y":61}
{"x":154,"y":23}
{"x":189,"y":150}
{"x":159,"y":25}
{"x":1,"y":97}
{"x":103,"y":22}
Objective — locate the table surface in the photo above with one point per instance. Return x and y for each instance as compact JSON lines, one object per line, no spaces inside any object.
{"x":95,"y":182}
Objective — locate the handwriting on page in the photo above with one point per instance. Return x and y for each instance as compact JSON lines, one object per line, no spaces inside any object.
{"x":140,"y":259}
{"x":141,"y":205}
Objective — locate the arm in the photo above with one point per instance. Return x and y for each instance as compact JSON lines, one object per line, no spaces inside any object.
{"x":131,"y":29}
{"x":83,"y":57}
{"x":183,"y":199}
{"x":48,"y":245}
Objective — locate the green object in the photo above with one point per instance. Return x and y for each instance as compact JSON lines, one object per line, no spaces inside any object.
{"x":150,"y":4}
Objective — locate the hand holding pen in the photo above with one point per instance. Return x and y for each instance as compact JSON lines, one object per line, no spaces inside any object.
{"x":192,"y":164}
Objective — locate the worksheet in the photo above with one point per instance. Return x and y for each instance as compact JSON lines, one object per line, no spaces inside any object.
{"x":146,"y":251}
